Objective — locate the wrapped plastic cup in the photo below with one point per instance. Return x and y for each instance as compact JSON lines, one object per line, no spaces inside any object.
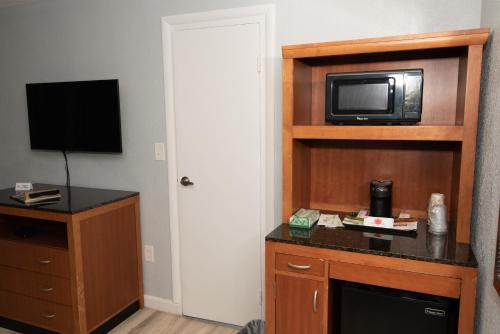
{"x":437,"y":219}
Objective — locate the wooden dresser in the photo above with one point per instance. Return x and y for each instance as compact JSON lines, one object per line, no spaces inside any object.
{"x":73,"y":266}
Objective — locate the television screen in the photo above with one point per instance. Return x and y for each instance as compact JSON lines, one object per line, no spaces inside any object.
{"x":80,"y":116}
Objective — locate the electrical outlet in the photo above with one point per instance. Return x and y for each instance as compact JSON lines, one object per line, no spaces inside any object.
{"x":149,"y":253}
{"x":159,"y":151}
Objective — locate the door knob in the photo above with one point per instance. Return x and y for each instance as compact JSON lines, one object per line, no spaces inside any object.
{"x":185,"y":181}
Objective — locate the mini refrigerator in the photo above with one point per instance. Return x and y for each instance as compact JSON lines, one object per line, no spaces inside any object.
{"x":368,"y":309}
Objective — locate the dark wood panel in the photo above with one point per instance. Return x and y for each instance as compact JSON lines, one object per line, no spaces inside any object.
{"x":270,"y":288}
{"x":341,"y":172}
{"x":461,"y":88}
{"x":288,"y":65}
{"x":138,"y":255}
{"x":76,"y":268}
{"x":467,"y":303}
{"x":47,"y":260}
{"x":302,"y":77}
{"x":110,"y":262}
{"x":41,"y":286}
{"x":453,"y":209}
{"x":301,"y":162}
{"x":440,"y":86}
{"x":37,"y":312}
{"x":468,"y":155}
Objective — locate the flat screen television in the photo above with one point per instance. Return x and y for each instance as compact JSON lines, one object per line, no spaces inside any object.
{"x":79,"y":116}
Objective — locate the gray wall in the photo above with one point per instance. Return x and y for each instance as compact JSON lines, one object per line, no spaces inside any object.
{"x":52,"y":40}
{"x":487,"y":185}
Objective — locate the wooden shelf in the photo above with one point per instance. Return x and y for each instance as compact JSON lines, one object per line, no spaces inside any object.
{"x":380,"y":132}
{"x":388,"y":44}
{"x":48,"y":234}
{"x":326,"y":164}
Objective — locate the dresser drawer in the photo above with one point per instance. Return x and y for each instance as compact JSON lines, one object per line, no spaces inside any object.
{"x":36,"y":312}
{"x":41,"y":259}
{"x":300,"y":264}
{"x":41,"y":286}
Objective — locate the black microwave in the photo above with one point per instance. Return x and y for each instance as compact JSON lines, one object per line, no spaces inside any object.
{"x":374,"y":97}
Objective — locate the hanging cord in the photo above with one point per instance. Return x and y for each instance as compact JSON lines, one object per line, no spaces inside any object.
{"x":68,"y":180}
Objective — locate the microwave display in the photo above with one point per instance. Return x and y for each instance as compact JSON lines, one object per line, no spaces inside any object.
{"x":374,"y":97}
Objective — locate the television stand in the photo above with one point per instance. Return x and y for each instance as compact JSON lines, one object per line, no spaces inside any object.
{"x":80,"y":271}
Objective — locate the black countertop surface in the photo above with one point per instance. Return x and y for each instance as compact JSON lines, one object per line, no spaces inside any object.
{"x":77,"y":199}
{"x":420,"y":246}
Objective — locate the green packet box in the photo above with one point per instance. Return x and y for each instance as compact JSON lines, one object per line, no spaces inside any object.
{"x":295,"y":232}
{"x":304,"y":218}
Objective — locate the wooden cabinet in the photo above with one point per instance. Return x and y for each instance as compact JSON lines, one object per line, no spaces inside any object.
{"x":297,"y":291}
{"x":329,"y":167}
{"x":78,"y":270}
{"x":300,"y":305}
{"x":291,"y":306}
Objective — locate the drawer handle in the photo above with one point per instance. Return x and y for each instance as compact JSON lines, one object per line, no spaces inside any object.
{"x":49,"y":289}
{"x":299,"y":267}
{"x":315,"y":301}
{"x":49,"y":316}
{"x":44,"y":261}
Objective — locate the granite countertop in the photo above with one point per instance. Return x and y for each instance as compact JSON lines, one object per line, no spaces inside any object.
{"x":74,"y":199}
{"x":420,"y":246}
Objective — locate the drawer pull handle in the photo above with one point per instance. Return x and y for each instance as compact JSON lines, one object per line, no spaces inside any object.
{"x":315,"y":301}
{"x":44,"y":261}
{"x":49,"y":316}
{"x":49,"y":289}
{"x":299,"y":267}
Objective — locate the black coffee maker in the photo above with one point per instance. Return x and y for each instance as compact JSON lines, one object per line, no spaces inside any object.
{"x":381,"y":198}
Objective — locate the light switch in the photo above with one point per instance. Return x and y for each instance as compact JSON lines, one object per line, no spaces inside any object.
{"x":159,"y":151}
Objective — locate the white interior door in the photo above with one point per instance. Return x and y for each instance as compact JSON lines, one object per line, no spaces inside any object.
{"x":217,"y":104}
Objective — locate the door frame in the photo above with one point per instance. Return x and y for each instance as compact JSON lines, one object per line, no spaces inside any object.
{"x":264,"y":15}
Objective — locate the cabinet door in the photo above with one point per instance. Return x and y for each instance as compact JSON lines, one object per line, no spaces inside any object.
{"x":299,"y":305}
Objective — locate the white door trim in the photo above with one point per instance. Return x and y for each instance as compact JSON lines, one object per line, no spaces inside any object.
{"x":264,"y":16}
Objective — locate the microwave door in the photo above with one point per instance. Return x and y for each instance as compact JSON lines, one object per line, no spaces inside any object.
{"x":370,"y":97}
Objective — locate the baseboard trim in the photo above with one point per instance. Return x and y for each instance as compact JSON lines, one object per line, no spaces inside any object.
{"x":161,"y":304}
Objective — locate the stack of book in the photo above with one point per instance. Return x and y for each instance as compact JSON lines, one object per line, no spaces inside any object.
{"x":38,"y":197}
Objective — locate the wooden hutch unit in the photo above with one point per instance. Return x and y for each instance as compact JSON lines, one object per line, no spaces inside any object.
{"x":329,"y":167}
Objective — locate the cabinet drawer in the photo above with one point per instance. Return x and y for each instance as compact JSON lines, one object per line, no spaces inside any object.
{"x":41,"y":286}
{"x":41,"y":259}
{"x":300,"y":264}
{"x":36,"y":312}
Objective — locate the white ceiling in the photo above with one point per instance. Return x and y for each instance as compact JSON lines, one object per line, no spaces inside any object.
{"x":6,"y":3}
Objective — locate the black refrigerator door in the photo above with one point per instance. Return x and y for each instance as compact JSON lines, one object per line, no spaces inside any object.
{"x":368,"y":309}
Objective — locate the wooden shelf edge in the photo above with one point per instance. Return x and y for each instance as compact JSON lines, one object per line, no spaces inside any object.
{"x":380,"y":132}
{"x":387,"y":44}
